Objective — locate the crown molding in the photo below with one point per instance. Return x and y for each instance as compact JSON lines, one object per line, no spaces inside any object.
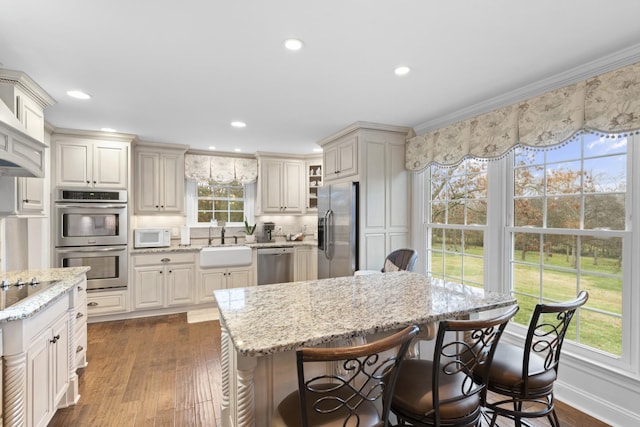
{"x":590,"y":69}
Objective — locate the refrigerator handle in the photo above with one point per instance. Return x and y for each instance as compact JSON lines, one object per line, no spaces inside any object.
{"x":328,"y":234}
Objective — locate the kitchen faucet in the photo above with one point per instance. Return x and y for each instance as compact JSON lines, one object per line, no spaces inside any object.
{"x":210,"y":237}
{"x":222,"y":235}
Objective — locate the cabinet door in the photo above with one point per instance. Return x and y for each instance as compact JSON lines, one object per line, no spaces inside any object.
{"x":60,"y":354}
{"x":348,"y":157}
{"x":39,"y":380}
{"x":210,"y":281}
{"x":292,"y":189}
{"x":73,"y":163}
{"x":330,"y":161}
{"x":30,"y":114}
{"x":31,"y":195}
{"x":180,"y":284}
{"x":110,"y":165}
{"x":172,"y":183}
{"x":239,"y":277}
{"x":272,"y":175}
{"x":147,"y":188}
{"x":148,"y":287}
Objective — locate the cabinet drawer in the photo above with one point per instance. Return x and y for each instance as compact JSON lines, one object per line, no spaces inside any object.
{"x":106,"y":303}
{"x":157,"y":259}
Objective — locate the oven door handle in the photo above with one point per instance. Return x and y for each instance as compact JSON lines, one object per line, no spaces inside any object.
{"x":91,"y":249}
{"x":100,"y":206}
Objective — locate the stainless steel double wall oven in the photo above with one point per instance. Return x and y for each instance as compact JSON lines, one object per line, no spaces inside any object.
{"x":91,"y":230}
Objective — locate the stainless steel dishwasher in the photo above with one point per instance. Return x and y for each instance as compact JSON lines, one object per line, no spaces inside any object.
{"x":275,"y":265}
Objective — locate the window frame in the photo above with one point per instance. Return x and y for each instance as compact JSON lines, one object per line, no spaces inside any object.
{"x":497,"y":268}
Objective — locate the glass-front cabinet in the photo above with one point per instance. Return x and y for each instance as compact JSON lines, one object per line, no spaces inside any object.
{"x":314,"y":180}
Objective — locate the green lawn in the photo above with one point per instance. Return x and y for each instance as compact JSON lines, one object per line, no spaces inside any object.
{"x":597,"y":325}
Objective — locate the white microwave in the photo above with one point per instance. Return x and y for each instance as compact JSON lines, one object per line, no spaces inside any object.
{"x":151,"y":238}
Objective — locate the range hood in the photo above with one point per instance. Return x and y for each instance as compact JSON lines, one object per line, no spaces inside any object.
{"x":20,"y":153}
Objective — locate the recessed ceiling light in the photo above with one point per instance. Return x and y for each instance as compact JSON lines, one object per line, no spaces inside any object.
{"x":293,"y":44}
{"x":211,"y":147}
{"x":237,"y":150}
{"x":238,"y":124}
{"x":402,"y":70}
{"x":78,"y":94}
{"x":108,"y":130}
{"x":317,"y":150}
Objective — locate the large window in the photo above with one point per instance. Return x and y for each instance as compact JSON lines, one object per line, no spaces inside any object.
{"x":569,"y":220}
{"x":457,"y":222}
{"x":562,"y":217}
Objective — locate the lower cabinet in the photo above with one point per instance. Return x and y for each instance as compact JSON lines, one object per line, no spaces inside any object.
{"x":47,"y":371}
{"x":222,"y":278}
{"x":100,"y":303}
{"x":306,"y":265}
{"x":163,"y":280}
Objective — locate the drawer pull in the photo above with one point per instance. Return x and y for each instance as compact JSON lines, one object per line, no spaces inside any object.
{"x":80,"y":289}
{"x":79,"y":315}
{"x":165,"y":259}
{"x":79,"y":349}
{"x":92,"y":304}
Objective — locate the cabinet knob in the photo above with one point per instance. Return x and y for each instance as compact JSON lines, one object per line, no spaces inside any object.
{"x":95,"y":182}
{"x":79,"y":315}
{"x":92,"y":304}
{"x":170,"y":271}
{"x":25,"y":201}
{"x":157,"y":206}
{"x":162,"y":206}
{"x":79,"y":349}
{"x":80,"y":289}
{"x":55,"y":339}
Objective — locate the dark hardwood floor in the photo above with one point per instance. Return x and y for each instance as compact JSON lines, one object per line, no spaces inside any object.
{"x":163,"y":371}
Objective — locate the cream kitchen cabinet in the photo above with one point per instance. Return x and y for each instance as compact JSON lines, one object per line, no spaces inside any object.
{"x":306,"y":263}
{"x":223,"y":278}
{"x":47,"y":371}
{"x":104,"y":303}
{"x":26,"y":99}
{"x":281,"y":185}
{"x":22,"y":196}
{"x":81,"y":161}
{"x":340,"y":158}
{"x":159,"y":180}
{"x":313,"y":182}
{"x":163,"y":280}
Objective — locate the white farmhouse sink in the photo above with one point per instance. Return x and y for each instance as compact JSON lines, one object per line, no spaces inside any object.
{"x":225,"y":256}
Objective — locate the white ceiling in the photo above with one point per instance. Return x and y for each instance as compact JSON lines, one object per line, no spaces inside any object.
{"x":180,"y":72}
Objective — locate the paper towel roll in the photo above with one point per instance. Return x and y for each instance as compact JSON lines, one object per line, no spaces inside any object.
{"x":185,"y":236}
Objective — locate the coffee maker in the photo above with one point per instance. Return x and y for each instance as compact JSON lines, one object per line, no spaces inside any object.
{"x":268,"y":230}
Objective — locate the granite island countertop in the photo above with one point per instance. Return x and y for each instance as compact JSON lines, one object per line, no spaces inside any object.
{"x":65,"y":278}
{"x":281,"y":317}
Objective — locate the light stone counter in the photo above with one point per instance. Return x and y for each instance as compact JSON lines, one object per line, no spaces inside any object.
{"x":263,"y":326}
{"x":67,"y":278}
{"x":197,"y":248}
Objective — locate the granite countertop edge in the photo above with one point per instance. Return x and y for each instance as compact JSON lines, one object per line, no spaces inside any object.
{"x":66,"y":279}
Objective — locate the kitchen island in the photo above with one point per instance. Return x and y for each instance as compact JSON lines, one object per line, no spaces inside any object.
{"x":43,"y":342}
{"x":263,"y":326}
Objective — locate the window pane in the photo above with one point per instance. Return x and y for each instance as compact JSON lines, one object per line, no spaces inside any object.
{"x":605,"y":174}
{"x":529,"y":181}
{"x":477,"y":212}
{"x":438,"y":213}
{"x":604,"y":211}
{"x":204,"y":190}
{"x":602,"y":255}
{"x":205,"y":205}
{"x":564,"y":212}
{"x":600,"y":331}
{"x":456,"y":212}
{"x":528,"y":212}
{"x":595,"y":145}
{"x":564,"y":178}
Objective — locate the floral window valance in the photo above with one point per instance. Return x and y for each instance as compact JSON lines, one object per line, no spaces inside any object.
{"x":609,"y":103}
{"x":221,"y":170}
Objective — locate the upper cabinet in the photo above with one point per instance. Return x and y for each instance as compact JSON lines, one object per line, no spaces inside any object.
{"x":91,"y":161}
{"x":281,"y":187}
{"x":22,"y":196}
{"x":159,"y":175}
{"x":26,"y":100}
{"x":341,"y":158}
{"x":314,"y":181}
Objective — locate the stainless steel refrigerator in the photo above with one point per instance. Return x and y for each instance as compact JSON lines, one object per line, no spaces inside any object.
{"x":337,"y":230}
